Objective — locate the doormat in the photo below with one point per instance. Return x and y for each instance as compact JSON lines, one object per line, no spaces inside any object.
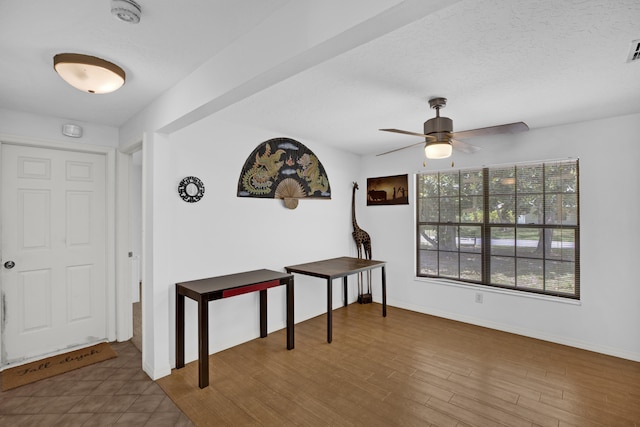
{"x":55,"y":365}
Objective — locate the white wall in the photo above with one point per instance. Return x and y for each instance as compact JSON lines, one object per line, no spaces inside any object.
{"x":223,"y":234}
{"x":607,"y":317}
{"x":49,"y":129}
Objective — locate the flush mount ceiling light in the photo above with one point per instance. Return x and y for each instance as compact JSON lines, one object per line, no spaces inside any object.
{"x":89,"y":73}
{"x":126,"y":10}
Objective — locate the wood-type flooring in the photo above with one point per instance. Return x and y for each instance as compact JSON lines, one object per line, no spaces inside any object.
{"x":408,"y":369}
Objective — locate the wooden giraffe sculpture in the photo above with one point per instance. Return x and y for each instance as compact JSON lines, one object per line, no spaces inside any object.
{"x":363,"y":243}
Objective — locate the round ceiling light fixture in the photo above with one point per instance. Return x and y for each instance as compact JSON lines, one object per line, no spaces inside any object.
{"x":89,"y":73}
{"x":126,"y":10}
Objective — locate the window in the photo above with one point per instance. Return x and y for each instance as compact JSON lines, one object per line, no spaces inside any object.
{"x":514,"y":227}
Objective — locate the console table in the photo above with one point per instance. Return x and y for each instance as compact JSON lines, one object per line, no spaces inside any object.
{"x":205,"y":290}
{"x":340,"y":267}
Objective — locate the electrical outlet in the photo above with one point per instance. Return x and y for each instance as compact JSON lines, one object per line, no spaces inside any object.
{"x":479,"y":297}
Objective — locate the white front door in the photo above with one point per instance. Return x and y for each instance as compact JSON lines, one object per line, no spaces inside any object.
{"x":54,"y":232}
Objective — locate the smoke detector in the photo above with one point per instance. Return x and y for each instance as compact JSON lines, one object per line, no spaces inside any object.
{"x":74,"y":131}
{"x":126,"y":10}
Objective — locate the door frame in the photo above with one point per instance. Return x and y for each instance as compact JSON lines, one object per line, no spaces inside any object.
{"x":114,"y":287}
{"x":123,"y":241}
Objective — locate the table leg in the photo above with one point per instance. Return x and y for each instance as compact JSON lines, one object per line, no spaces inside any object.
{"x":384,"y":292}
{"x":344,"y":290}
{"x":263,"y":313}
{"x":203,"y":343}
{"x":179,"y":330}
{"x":329,"y":308}
{"x":290,"y":320}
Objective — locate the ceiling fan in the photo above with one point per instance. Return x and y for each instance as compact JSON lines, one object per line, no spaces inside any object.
{"x":440,"y":139}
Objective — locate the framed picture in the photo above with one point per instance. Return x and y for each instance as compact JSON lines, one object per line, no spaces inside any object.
{"x":388,"y":190}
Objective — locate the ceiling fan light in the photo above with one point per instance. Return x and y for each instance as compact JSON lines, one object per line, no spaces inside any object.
{"x":89,"y":73}
{"x":438,"y":150}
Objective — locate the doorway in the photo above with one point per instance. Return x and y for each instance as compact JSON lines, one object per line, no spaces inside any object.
{"x":55,"y":248}
{"x":135,"y":218}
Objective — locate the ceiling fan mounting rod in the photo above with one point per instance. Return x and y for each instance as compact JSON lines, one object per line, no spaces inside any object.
{"x":440,"y":127}
{"x":437,"y":104}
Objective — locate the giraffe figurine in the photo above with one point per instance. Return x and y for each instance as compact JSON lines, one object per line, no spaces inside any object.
{"x":363,"y":244}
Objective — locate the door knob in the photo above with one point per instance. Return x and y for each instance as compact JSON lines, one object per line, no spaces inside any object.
{"x":9,"y":264}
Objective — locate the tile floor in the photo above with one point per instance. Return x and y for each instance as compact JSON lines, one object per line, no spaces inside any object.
{"x":113,"y":392}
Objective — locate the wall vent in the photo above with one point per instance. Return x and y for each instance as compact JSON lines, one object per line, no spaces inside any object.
{"x":634,"y":52}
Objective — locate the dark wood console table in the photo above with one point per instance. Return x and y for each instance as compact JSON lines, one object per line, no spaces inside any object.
{"x":340,"y":267}
{"x":205,"y":290}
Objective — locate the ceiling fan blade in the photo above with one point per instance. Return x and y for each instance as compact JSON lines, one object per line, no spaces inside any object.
{"x":406,"y":132}
{"x":401,"y":148}
{"x":492,"y":130}
{"x":464,"y":147}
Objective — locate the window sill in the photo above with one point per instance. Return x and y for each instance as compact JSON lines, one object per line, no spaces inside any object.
{"x":489,"y":289}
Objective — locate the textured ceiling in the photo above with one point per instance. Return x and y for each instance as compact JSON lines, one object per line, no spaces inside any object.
{"x":542,"y":62}
{"x":172,"y":39}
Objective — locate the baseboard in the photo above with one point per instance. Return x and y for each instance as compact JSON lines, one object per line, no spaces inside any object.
{"x":157,"y":373}
{"x":616,"y":352}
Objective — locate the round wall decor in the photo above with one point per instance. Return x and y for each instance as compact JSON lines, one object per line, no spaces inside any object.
{"x":191,"y":189}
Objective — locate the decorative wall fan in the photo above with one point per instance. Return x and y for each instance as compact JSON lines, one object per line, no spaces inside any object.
{"x":440,"y":139}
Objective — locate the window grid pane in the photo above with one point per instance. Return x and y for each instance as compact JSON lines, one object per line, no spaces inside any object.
{"x":530,"y":242}
{"x":470,"y":239}
{"x":503,"y":241}
{"x":563,"y":245}
{"x":502,"y":180}
{"x":429,"y":210}
{"x":449,"y":209}
{"x":502,"y":209}
{"x":471,"y":182}
{"x":449,"y":263}
{"x":530,"y":179}
{"x":530,"y":273}
{"x":471,"y":209}
{"x":428,"y":237}
{"x":450,"y":184}
{"x":503,"y":271}
{"x":471,"y":267}
{"x":559,"y":277}
{"x":428,"y":263}
{"x":530,"y":208}
{"x":448,"y":238}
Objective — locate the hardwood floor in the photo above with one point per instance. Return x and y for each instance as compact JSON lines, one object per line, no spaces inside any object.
{"x":407,"y":369}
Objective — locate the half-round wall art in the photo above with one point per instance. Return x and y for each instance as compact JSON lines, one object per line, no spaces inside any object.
{"x":283,"y":168}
